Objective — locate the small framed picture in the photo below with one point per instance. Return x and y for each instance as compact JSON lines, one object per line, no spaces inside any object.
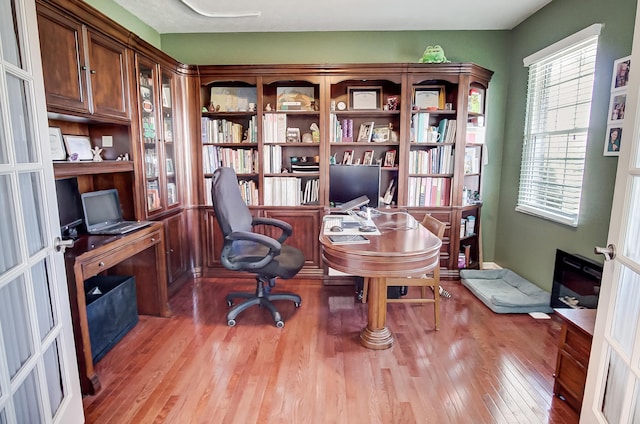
{"x":381,"y":134}
{"x":365,"y":98}
{"x":78,"y":147}
{"x":612,"y":143}
{"x":367,"y":159}
{"x":170,"y":169}
{"x":621,"y":68}
{"x":347,"y":158}
{"x":365,"y":133}
{"x":429,"y":97}
{"x":390,"y":158}
{"x":166,"y":95}
{"x":617,"y":105}
{"x":58,"y":151}
{"x":171,"y":194}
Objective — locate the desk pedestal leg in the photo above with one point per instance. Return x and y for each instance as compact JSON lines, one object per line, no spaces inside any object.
{"x":376,"y":335}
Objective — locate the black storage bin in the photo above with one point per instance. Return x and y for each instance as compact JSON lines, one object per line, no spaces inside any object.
{"x":111,"y":314}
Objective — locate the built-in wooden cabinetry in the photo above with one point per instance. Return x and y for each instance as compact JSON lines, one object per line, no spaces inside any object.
{"x":400,"y":104}
{"x":85,"y":72}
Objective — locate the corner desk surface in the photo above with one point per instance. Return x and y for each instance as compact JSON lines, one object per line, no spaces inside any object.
{"x":399,"y":251}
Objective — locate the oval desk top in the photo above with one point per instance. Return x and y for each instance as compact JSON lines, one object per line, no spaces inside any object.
{"x":404,"y":248}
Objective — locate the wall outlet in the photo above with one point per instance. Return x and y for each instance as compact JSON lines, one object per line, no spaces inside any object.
{"x":107,"y":141}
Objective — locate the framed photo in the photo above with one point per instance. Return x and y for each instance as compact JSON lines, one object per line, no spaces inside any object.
{"x":153,"y":199}
{"x":295,"y":98}
{"x":170,"y":169}
{"x":612,"y":143}
{"x":365,"y":133}
{"x":78,"y":147}
{"x":56,"y":141}
{"x":347,"y":158}
{"x":367,"y":159}
{"x":233,"y":99}
{"x":166,"y":95}
{"x":390,"y":159}
{"x":621,"y":68}
{"x":365,"y":98}
{"x":617,"y":105}
{"x":171,"y":194}
{"x":430,"y":97}
{"x":381,"y":134}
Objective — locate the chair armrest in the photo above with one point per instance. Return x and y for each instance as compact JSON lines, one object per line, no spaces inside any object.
{"x":286,"y":228}
{"x":273,"y":245}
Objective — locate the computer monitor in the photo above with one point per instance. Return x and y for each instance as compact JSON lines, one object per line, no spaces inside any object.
{"x":69,"y":207}
{"x":349,"y":182}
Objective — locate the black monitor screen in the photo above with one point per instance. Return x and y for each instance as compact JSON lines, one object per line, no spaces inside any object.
{"x":69,"y":205}
{"x":348,"y":182}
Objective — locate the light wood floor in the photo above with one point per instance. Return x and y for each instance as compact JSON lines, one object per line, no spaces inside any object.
{"x":479,"y":368}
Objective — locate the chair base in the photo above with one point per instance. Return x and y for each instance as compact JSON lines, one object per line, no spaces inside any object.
{"x":261,"y":297}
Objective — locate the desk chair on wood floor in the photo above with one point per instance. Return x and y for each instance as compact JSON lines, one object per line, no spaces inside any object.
{"x":244,"y":250}
{"x":433,"y":280}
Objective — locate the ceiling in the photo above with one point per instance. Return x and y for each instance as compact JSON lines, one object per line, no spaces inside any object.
{"x":178,"y":16}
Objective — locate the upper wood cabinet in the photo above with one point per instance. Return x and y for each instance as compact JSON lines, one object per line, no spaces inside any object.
{"x":85,"y":73}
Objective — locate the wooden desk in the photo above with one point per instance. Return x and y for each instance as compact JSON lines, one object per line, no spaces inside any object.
{"x":394,"y":253}
{"x":141,"y":254}
{"x":573,"y":354}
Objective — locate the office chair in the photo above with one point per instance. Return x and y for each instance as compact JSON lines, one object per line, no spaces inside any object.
{"x":244,"y":250}
{"x":433,"y":280}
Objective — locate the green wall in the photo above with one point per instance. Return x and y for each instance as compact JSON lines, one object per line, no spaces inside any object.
{"x":527,"y":244}
{"x":119,"y":14}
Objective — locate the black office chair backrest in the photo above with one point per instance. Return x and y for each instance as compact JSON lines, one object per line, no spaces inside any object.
{"x":231,"y":211}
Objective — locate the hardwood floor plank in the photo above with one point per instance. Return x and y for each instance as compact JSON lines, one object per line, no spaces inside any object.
{"x":480,"y":367}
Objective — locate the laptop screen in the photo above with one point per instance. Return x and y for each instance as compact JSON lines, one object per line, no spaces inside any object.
{"x":100,"y":208}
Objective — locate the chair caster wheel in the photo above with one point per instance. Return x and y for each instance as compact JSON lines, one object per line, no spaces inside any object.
{"x":229,"y":303}
{"x":232,"y":323}
{"x":280,"y":324}
{"x":297,"y":304}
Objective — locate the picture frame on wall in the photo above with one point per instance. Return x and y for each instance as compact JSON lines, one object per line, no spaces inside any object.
{"x":613,"y":139}
{"x":620,"y":78}
{"x":617,"y":106}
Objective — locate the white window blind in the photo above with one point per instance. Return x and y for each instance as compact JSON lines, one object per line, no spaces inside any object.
{"x":555,"y":134}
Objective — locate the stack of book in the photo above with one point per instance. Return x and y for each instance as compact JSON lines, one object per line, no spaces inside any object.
{"x":274,"y":128}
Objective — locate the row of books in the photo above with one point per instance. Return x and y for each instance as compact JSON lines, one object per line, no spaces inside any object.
{"x":248,"y":190}
{"x":447,"y":130}
{"x":341,"y":130}
{"x":429,"y":191}
{"x":438,"y":160}
{"x":224,"y":131}
{"x":272,"y":158}
{"x":243,"y":161}
{"x":274,"y":128}
{"x":287,"y":191}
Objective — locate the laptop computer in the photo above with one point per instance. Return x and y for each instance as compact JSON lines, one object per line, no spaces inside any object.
{"x":103,"y":214}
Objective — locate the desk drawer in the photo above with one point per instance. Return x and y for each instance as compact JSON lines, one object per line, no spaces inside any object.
{"x":119,"y":254}
{"x":578,"y":345}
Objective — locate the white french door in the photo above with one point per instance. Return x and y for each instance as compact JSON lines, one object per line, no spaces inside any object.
{"x":38,"y":372}
{"x":612,"y":392}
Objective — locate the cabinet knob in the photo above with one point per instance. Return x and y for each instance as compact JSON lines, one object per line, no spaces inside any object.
{"x":101,"y":264}
{"x":84,"y":68}
{"x":153,"y":239}
{"x":92,"y":71}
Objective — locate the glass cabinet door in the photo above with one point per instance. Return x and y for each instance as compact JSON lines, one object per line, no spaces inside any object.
{"x":148,"y":99}
{"x":168,"y":138}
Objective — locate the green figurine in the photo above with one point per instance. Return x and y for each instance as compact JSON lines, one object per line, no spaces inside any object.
{"x":433,"y":54}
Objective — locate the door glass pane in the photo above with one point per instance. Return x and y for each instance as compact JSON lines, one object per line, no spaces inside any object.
{"x":42,"y":291}
{"x":624,"y":329}
{"x":3,"y":417}
{"x":614,"y":388}
{"x":14,"y":320}
{"x":21,"y":120}
{"x":27,"y":401}
{"x":54,"y":376}
{"x":4,"y":157}
{"x":9,"y":32}
{"x":32,"y":210}
{"x":635,"y":411}
{"x":9,"y":254}
{"x":632,"y":240}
